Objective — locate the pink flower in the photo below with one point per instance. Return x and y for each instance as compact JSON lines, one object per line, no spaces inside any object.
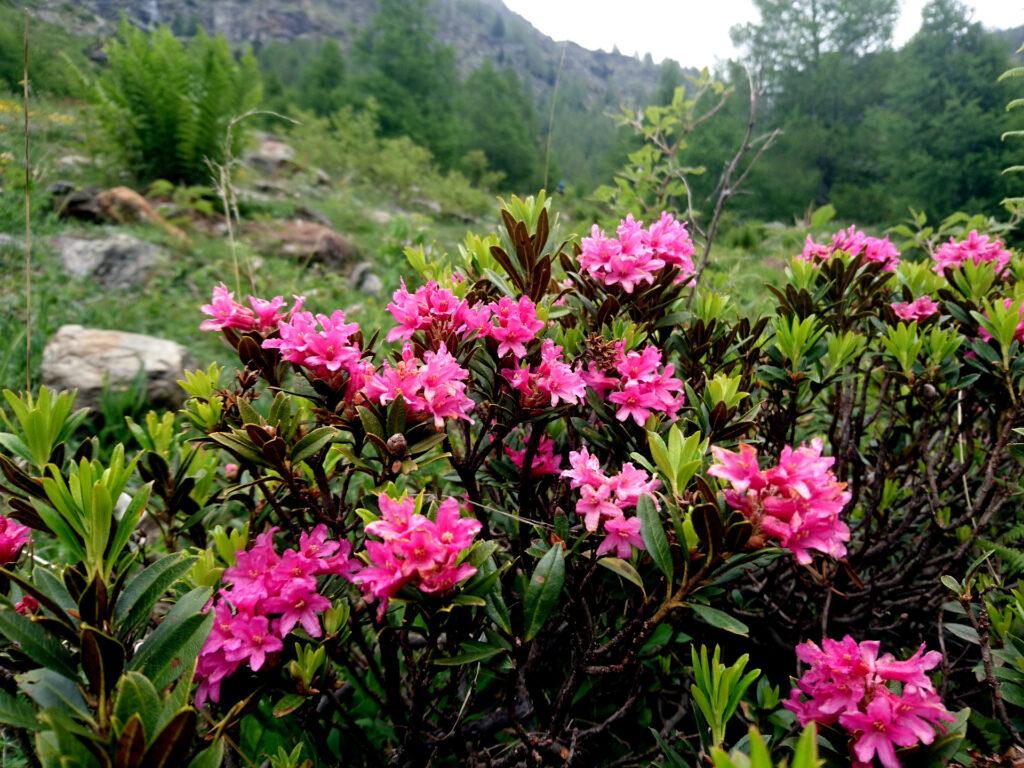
{"x":638,"y":385}
{"x":13,"y":536}
{"x":918,"y":309}
{"x":323,"y":344}
{"x":798,"y":502}
{"x":27,"y":605}
{"x":847,"y":683}
{"x":298,"y":603}
{"x":266,"y":596}
{"x":550,"y":382}
{"x":622,"y":534}
{"x":435,"y":386}
{"x":512,"y":325}
{"x":251,"y":640}
{"x":604,"y":498}
{"x":585,"y":469}
{"x":231,"y":471}
{"x":975,"y":247}
{"x":545,"y":461}
{"x":638,"y":255}
{"x":431,"y":309}
{"x":225,"y":312}
{"x":415,"y":550}
{"x":851,"y":243}
{"x":263,"y":316}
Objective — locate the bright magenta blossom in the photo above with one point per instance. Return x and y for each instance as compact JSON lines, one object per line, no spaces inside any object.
{"x":545,"y":460}
{"x":975,"y":247}
{"x":550,"y":382}
{"x":415,"y":550}
{"x":435,"y":386}
{"x":848,"y":683}
{"x":637,"y":255}
{"x":261,"y":315}
{"x":605,"y":499}
{"x":638,"y":385}
{"x":431,"y":309}
{"x":798,"y":502}
{"x":266,"y":597}
{"x":512,"y":324}
{"x":13,"y":536}
{"x":324,"y":345}
{"x":919,"y":309}
{"x":852,"y":242}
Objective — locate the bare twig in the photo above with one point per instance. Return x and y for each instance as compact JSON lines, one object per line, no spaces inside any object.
{"x":729,"y":182}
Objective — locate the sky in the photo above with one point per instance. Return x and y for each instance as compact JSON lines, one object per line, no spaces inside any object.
{"x":695,"y":32}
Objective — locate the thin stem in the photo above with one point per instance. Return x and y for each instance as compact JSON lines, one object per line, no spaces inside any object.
{"x":28,"y":215}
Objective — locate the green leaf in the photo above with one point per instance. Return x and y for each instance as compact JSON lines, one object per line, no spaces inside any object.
{"x":288,"y":704}
{"x":136,"y":696}
{"x":211,"y":757}
{"x":176,"y":643}
{"x":16,"y":711}
{"x":472,"y":651}
{"x":53,"y":691}
{"x":312,"y":443}
{"x":36,"y":643}
{"x":623,"y":569}
{"x":653,"y":533}
{"x":544,"y":589}
{"x":719,"y":619}
{"x":151,"y":583}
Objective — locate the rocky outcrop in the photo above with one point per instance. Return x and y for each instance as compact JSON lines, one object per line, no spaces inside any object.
{"x":118,"y":262}
{"x":89,"y":359}
{"x":305,"y":240}
{"x":117,"y":205}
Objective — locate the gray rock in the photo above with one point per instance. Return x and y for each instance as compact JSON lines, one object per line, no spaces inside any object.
{"x":89,"y":359}
{"x":270,"y":154}
{"x":380,"y":217}
{"x":304,"y":240}
{"x":365,"y":280}
{"x":119,"y":261}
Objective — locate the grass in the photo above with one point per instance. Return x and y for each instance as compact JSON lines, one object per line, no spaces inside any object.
{"x":167,"y":305}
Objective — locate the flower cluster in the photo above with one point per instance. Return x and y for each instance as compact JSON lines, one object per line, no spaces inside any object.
{"x":637,"y":255}
{"x":415,"y":550}
{"x":919,"y":309}
{"x":268,"y":594}
{"x":976,"y":248}
{"x":550,"y":381}
{"x":512,"y":324}
{"x":261,"y":315}
{"x":13,"y":536}
{"x":852,"y":243}
{"x":432,"y":309}
{"x":848,"y":683}
{"x":798,"y":501}
{"x":435,"y":386}
{"x":545,"y":460}
{"x":638,"y":384}
{"x":323,"y":344}
{"x":605,"y":499}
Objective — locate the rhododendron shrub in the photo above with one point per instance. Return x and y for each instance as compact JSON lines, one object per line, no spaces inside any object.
{"x":505,"y":528}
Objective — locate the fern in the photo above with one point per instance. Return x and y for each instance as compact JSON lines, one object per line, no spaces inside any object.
{"x":1008,"y":551}
{"x":165,"y":105}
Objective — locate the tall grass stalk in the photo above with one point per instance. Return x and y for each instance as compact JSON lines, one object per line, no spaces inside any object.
{"x":28,"y":213}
